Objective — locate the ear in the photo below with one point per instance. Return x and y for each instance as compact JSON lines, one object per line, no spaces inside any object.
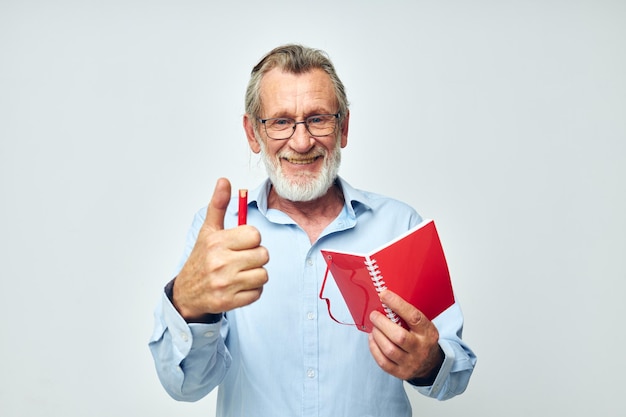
{"x":248,"y":126}
{"x":344,"y":130}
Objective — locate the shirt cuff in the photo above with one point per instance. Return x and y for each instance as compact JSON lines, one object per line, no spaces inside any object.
{"x":437,"y":384}
{"x":185,"y":336}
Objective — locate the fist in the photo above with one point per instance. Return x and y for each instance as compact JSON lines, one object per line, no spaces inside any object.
{"x":225,"y":269}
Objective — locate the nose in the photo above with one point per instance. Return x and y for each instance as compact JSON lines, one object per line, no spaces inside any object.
{"x":301,"y":140}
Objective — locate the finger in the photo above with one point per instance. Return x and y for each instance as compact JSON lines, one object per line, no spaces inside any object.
{"x":245,"y":289}
{"x":377,"y":353}
{"x":242,"y":238}
{"x":411,"y":315}
{"x":251,"y":279}
{"x":255,"y":258}
{"x":243,"y":298}
{"x":381,"y":352}
{"x":390,"y":334}
{"x":217,"y":207}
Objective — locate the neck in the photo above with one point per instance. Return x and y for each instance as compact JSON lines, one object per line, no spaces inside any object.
{"x":312,"y":216}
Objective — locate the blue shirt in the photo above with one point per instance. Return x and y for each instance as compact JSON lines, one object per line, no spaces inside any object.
{"x":283,"y":355}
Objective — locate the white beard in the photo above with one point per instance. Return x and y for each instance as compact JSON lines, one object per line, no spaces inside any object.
{"x":304,"y":187}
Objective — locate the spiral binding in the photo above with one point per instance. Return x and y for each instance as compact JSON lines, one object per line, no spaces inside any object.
{"x":379,"y":285}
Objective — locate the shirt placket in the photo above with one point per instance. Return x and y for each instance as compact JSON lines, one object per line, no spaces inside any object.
{"x":310,"y":342}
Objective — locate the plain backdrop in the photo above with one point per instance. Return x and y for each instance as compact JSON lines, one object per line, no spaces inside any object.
{"x":505,"y":121}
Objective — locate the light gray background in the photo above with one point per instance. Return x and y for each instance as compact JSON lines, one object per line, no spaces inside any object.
{"x":504,"y":121}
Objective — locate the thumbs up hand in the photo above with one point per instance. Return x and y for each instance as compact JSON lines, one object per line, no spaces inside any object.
{"x":225,"y":268}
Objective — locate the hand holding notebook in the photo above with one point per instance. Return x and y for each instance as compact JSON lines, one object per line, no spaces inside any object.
{"x":412,"y":266}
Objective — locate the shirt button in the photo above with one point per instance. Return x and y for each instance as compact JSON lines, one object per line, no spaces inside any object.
{"x":209,"y":334}
{"x":310,"y":315}
{"x":310,"y":373}
{"x":184,"y":336}
{"x":309,"y":262}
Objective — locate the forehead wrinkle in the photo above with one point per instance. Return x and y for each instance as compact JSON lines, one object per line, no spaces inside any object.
{"x":296,"y":95}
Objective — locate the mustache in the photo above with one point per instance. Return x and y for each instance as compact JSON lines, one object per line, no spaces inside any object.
{"x":313,"y":153}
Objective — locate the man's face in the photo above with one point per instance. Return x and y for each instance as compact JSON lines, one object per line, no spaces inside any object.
{"x":303,"y":167}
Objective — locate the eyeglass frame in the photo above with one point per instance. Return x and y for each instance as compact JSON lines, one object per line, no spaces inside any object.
{"x":337,"y":116}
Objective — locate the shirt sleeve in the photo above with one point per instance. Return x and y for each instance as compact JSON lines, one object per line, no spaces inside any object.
{"x":459,"y":362}
{"x":190,"y":359}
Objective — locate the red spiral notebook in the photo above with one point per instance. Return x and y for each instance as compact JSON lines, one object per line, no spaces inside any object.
{"x":413,"y":266}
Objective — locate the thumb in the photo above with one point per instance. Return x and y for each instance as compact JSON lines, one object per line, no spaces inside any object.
{"x":410,"y":314}
{"x":217,"y":207}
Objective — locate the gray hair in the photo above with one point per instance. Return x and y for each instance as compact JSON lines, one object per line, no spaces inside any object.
{"x":296,"y":59}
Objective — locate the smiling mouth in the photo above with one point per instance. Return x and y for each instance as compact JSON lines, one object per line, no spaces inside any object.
{"x":302,"y":161}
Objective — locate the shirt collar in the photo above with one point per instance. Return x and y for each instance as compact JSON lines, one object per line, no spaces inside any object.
{"x":354,"y":199}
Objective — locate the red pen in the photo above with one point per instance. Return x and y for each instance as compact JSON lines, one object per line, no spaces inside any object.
{"x":243,"y":206}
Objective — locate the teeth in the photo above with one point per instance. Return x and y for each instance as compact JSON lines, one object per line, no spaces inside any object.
{"x":301,"y":161}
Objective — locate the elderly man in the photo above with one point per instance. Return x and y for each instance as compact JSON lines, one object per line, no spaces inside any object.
{"x":244,"y":315}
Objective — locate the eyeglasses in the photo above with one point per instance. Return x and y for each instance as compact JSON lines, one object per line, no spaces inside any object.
{"x":282,"y":128}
